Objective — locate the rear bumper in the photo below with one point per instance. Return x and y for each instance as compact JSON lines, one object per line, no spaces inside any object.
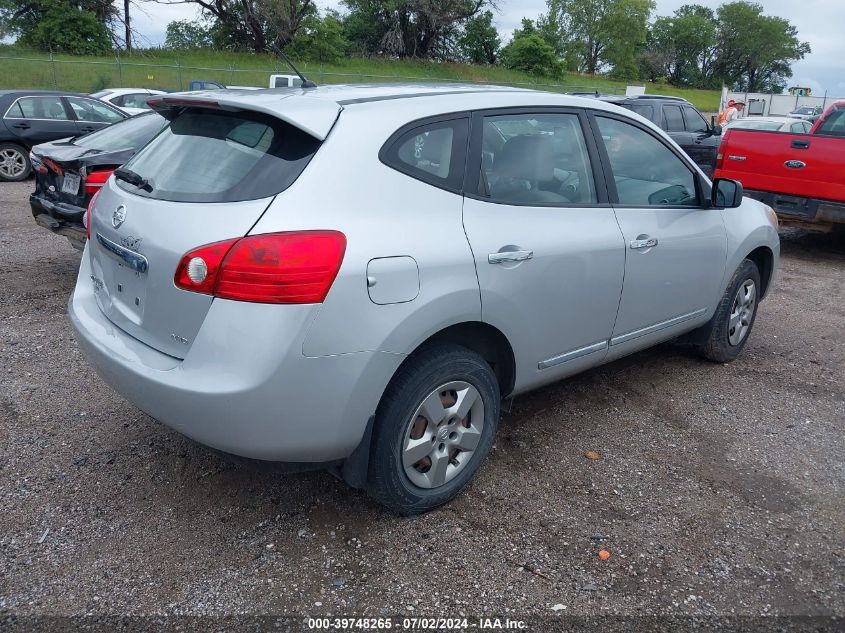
{"x":244,"y":386}
{"x":61,"y":211}
{"x":799,"y":209}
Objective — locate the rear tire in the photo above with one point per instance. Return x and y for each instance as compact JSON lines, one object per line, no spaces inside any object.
{"x":725,"y":335}
{"x":434,"y":427}
{"x":14,"y":163}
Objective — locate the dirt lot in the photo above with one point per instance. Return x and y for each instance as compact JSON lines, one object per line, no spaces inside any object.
{"x":719,"y":489}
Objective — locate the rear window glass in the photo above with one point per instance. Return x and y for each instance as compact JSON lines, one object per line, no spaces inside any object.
{"x":834,"y":124}
{"x":210,"y":156}
{"x":643,"y":109}
{"x":433,"y":153}
{"x":39,"y":108}
{"x":129,"y":134}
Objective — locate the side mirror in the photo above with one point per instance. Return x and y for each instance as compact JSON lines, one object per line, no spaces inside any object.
{"x":726,"y":193}
{"x":717,"y":130}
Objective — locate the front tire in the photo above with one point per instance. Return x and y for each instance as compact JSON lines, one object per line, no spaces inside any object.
{"x":728,"y":331}
{"x":14,"y":163}
{"x":434,"y":427}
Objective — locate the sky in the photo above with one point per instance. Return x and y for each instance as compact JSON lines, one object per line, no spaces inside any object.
{"x":819,"y":22}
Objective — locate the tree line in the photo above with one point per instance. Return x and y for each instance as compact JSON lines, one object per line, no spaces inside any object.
{"x":736,"y":44}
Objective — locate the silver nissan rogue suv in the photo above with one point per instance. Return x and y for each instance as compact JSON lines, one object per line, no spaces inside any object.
{"x":354,"y":277}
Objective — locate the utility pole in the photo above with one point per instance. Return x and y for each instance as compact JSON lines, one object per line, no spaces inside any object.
{"x":126,"y":24}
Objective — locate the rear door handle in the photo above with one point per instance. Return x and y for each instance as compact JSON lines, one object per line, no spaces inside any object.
{"x":645,"y":243}
{"x":21,"y":126}
{"x":509,"y":256}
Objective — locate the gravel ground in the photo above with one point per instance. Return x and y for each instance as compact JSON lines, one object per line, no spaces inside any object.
{"x":719,"y":490}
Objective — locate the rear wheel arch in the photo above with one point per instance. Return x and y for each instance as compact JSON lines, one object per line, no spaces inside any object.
{"x":486,"y":340}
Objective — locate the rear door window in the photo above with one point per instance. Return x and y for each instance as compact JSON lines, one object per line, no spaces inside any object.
{"x":673,"y":121}
{"x":213,"y":156}
{"x":46,"y":108}
{"x":535,"y":160}
{"x":645,"y":110}
{"x":432,"y":152}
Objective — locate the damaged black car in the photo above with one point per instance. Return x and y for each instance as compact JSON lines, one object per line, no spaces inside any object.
{"x":70,"y":171}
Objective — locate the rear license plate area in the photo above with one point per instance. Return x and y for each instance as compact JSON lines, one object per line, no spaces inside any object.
{"x":70,"y":183}
{"x":122,"y":293}
{"x":120,"y":286}
{"x":127,"y":289}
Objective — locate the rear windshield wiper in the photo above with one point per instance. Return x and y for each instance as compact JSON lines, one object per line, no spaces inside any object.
{"x":133,"y":178}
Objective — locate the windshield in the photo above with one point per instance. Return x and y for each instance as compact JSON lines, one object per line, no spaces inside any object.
{"x":215,"y":156}
{"x":129,"y":134}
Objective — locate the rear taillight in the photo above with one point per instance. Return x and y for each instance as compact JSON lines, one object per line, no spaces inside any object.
{"x":36,"y":163}
{"x":294,"y":267}
{"x":95,"y":180}
{"x":86,"y":219}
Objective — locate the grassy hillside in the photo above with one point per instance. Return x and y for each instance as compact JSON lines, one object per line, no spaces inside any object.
{"x":169,"y":70}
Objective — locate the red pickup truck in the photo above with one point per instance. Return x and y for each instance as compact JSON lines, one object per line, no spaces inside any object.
{"x":801,"y":176}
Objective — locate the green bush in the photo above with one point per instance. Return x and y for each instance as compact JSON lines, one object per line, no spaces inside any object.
{"x":65,"y":29}
{"x":530,"y":53}
{"x":319,"y":39}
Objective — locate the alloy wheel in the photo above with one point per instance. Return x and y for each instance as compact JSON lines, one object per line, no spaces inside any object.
{"x":742,"y":312}
{"x":12,"y":163}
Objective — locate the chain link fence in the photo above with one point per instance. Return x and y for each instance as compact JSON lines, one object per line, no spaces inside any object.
{"x":25,"y":71}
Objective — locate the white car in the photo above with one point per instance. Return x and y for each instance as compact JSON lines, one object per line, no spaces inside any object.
{"x":771,"y":124}
{"x":805,"y":112}
{"x":285,"y":81}
{"x":130,"y":100}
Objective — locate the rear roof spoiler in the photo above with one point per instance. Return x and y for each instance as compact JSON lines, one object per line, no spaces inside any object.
{"x":313,"y":116}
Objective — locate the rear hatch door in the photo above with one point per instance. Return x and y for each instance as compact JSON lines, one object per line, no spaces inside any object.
{"x":207,"y":177}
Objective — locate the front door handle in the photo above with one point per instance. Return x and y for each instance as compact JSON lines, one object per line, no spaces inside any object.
{"x":644,"y":243}
{"x":509,"y":256}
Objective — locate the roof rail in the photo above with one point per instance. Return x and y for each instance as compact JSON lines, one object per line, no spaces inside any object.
{"x":670,"y":98}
